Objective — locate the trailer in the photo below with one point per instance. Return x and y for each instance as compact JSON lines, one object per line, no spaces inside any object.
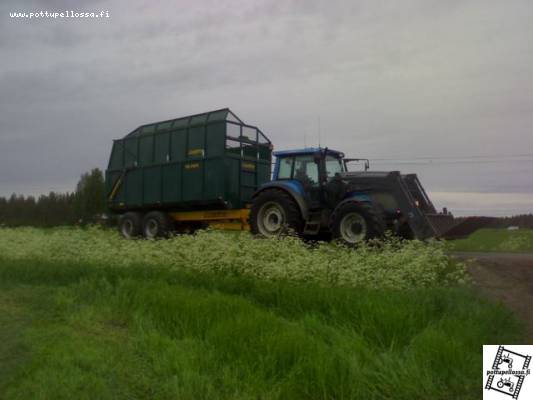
{"x":187,"y":173}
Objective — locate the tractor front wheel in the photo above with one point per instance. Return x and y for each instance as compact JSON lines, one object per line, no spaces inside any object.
{"x":273,"y":213}
{"x":353,"y":223}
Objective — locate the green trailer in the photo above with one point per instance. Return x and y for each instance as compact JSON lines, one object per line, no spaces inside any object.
{"x":198,"y":169}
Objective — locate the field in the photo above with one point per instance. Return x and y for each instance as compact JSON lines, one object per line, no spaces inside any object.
{"x":85,"y":314}
{"x":495,"y":240}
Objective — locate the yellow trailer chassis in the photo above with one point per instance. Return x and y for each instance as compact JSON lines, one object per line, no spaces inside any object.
{"x":236,"y":220}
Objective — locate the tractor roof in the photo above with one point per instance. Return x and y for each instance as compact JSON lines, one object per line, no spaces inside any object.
{"x":307,"y":150}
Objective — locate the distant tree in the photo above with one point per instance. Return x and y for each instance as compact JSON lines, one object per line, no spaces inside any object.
{"x":56,"y":209}
{"x":89,"y":198}
{"x":30,"y":209}
{"x":16,"y":209}
{"x":3,"y":210}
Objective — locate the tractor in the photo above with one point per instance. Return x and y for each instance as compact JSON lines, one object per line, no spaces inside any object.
{"x":313,"y":192}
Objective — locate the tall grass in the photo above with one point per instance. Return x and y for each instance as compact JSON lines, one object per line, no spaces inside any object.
{"x":146,"y":329}
{"x":392,"y":264}
{"x":182,"y":335}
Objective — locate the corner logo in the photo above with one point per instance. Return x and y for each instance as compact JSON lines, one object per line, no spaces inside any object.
{"x":506,"y":370}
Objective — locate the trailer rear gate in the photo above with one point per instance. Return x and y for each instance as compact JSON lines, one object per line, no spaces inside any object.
{"x":210,"y":161}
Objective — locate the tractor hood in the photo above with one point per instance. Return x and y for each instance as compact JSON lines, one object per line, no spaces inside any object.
{"x":368,"y":175}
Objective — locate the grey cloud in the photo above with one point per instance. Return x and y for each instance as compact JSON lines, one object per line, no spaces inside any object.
{"x":387,"y":79}
{"x":54,"y":4}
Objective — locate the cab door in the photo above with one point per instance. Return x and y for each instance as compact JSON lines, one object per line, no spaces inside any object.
{"x":306,"y":171}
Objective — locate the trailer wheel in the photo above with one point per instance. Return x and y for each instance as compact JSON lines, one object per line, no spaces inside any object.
{"x":130,"y":225}
{"x":156,"y":224}
{"x":273,"y":213}
{"x":353,"y":223}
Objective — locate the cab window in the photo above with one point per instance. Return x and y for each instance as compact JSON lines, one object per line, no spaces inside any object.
{"x":285,"y":168}
{"x":333,"y":166}
{"x":305,"y":170}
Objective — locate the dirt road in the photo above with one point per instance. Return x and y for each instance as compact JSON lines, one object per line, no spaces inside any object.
{"x":507,"y":277}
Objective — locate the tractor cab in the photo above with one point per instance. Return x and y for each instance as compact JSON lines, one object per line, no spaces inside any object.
{"x":311,"y":166}
{"x":315,"y":173}
{"x":308,"y":171}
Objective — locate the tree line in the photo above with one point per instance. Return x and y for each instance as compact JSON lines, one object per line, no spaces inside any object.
{"x":523,"y":221}
{"x":85,"y":205}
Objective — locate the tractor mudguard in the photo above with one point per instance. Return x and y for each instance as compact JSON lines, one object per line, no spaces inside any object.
{"x":358,"y":197}
{"x":354,"y":197}
{"x":293,"y":188}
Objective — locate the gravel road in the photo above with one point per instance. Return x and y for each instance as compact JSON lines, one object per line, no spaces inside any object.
{"x":507,"y":277}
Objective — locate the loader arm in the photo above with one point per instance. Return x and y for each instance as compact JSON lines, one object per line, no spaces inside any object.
{"x":389,"y":190}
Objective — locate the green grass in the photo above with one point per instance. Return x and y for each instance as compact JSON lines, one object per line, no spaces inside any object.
{"x":87,"y":315}
{"x":15,"y":317}
{"x":91,"y":331}
{"x":495,"y":240}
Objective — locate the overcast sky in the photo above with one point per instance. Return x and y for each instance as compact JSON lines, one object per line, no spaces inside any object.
{"x":442,"y":88}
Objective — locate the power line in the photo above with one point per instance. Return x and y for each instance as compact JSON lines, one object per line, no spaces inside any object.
{"x":444,"y":162}
{"x":477,"y":156}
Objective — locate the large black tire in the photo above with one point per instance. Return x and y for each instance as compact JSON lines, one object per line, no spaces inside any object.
{"x":405,"y":231}
{"x":156,"y":224}
{"x":353,"y":223}
{"x":274,"y":212}
{"x":130,"y":225}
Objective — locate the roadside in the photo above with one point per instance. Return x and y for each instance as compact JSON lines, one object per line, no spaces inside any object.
{"x":505,"y":277}
{"x":495,"y":240}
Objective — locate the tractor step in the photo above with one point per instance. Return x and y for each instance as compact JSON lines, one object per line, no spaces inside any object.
{"x":312,"y":226}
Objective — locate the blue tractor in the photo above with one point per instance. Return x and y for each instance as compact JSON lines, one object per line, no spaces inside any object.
{"x":313,"y":192}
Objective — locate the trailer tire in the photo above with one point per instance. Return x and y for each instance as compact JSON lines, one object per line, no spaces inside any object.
{"x":130,"y":225}
{"x":274,"y":212}
{"x":353,"y":223}
{"x":156,"y":224}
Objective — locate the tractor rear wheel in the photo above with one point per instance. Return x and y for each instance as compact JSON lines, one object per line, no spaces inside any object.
{"x":274,"y":212}
{"x":130,"y":225}
{"x":354,"y":223}
{"x":156,"y":224}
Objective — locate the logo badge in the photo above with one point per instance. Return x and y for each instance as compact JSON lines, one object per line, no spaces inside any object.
{"x":506,"y":372}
